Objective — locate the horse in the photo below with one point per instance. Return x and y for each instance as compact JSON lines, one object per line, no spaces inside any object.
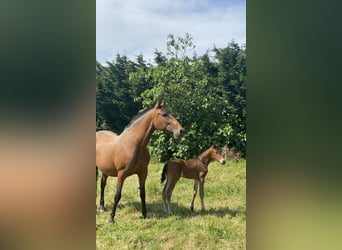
{"x":126,"y":154}
{"x":195,"y":169}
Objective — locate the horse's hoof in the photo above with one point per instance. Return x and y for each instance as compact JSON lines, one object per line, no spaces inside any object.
{"x":102,"y":210}
{"x":111,"y":220}
{"x":192,"y":209}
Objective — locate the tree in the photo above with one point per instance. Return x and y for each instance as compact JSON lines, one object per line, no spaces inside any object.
{"x":207,"y":94}
{"x":196,"y":93}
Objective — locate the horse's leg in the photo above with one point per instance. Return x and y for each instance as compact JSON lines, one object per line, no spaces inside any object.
{"x":119,"y":183}
{"x":103,"y":186}
{"x":201,"y":185}
{"x":97,"y":173}
{"x":194,"y":195}
{"x":142,"y":179}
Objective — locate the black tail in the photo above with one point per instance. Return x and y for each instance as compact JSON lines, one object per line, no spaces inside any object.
{"x":163,"y":175}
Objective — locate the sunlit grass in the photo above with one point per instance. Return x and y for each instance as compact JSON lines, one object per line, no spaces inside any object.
{"x":222,"y":226}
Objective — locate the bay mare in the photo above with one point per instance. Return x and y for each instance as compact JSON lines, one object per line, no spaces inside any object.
{"x":195,"y":169}
{"x":126,"y":154}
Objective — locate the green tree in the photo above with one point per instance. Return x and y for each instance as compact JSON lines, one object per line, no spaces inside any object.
{"x":194,"y":93}
{"x":115,"y":93}
{"x":207,"y":94}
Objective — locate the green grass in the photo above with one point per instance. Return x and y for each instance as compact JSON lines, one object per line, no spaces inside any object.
{"x":222,"y":226}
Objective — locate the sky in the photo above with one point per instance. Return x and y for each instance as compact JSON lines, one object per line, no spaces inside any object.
{"x":134,"y":27}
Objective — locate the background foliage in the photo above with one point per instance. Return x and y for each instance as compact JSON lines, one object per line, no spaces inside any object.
{"x":206,"y":93}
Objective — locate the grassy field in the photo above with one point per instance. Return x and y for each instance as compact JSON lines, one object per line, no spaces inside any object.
{"x":222,"y":226}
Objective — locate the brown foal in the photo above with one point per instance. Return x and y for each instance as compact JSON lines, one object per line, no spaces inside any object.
{"x":195,"y":169}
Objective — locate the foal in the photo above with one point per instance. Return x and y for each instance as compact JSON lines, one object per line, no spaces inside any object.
{"x":195,"y":169}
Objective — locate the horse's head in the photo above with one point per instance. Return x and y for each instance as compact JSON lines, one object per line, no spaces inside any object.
{"x":216,"y":154}
{"x":164,"y":120}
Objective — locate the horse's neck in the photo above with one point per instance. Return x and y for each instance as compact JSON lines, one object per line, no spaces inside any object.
{"x":140,"y":133}
{"x":205,"y":157}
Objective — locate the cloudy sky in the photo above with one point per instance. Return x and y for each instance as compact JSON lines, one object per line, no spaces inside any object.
{"x":133,"y":27}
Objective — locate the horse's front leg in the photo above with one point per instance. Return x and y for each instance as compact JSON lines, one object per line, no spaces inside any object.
{"x":119,"y":183}
{"x":201,"y":185}
{"x":142,"y":180}
{"x":194,"y":195}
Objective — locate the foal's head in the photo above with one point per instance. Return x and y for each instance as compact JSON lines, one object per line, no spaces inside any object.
{"x":216,"y":154}
{"x":165,"y":121}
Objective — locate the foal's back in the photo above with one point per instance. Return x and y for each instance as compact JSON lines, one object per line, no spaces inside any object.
{"x":190,"y":169}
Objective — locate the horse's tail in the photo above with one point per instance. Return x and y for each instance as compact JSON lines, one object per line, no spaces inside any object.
{"x":163,"y":175}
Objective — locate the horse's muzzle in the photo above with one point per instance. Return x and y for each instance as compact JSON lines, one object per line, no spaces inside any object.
{"x":178,"y":133}
{"x":223,"y":162}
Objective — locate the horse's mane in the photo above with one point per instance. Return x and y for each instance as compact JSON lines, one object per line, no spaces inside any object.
{"x":136,"y":117}
{"x":140,"y":115}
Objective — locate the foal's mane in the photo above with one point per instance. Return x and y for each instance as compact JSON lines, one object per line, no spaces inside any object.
{"x":200,"y":157}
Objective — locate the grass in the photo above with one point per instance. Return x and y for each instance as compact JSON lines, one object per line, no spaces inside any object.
{"x":221,"y":226}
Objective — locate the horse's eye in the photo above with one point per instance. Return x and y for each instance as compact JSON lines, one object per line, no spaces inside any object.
{"x":165,"y":114}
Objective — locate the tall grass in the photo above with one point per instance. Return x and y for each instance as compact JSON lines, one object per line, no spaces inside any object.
{"x":222,"y":226}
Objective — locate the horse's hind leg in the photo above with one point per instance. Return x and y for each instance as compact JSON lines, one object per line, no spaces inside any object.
{"x":142,"y":179}
{"x":103,"y":185}
{"x":194,"y":195}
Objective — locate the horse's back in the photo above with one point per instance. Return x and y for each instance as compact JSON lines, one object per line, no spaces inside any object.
{"x":104,"y":136}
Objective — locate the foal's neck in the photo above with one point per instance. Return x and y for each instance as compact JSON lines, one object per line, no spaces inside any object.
{"x":205,"y":157}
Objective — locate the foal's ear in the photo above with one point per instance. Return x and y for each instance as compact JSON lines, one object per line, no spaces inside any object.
{"x":215,"y":145}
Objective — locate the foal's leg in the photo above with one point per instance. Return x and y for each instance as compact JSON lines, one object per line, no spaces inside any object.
{"x":119,"y":183}
{"x":201,"y":185}
{"x":171,"y":186}
{"x":142,"y":179}
{"x":103,"y":185}
{"x":194,"y":195}
{"x":165,"y":190}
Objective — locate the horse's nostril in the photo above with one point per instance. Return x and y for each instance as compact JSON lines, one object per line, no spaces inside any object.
{"x":182,"y":130}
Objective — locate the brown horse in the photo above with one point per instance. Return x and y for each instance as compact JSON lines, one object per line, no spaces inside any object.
{"x":126,"y":154}
{"x":195,"y":169}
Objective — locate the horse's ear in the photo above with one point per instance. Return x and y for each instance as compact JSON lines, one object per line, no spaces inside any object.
{"x":157,"y":104}
{"x":215,"y":146}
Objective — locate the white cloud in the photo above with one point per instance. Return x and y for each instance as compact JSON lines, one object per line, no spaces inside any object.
{"x":133,"y":27}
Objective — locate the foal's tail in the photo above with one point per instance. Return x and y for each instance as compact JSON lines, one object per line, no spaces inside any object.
{"x":163,"y":175}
